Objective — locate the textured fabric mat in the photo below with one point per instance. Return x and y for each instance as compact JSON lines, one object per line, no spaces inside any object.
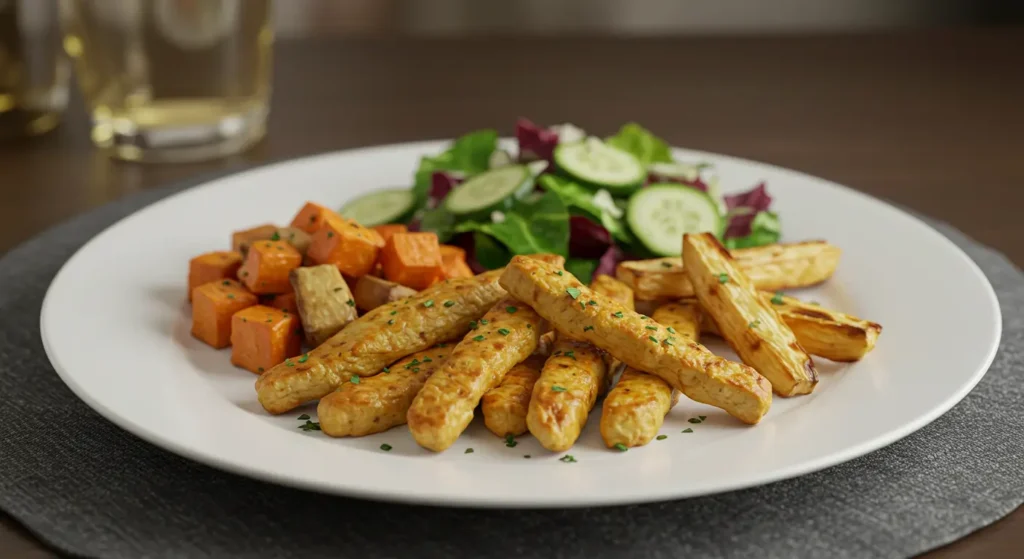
{"x":88,"y":488}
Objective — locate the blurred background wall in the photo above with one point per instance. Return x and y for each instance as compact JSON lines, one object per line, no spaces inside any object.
{"x":631,"y":17}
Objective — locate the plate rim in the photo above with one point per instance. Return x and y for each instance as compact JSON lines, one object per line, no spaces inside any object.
{"x":205,"y":180}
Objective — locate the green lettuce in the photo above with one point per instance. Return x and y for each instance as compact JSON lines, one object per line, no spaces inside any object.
{"x":539,"y":225}
{"x":580,"y":198}
{"x":639,"y":141}
{"x":469,"y":154}
{"x":765,"y":229}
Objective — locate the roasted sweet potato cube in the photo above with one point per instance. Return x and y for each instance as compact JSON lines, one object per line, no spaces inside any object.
{"x":313,"y":216}
{"x":212,"y":306}
{"x":285,"y":302}
{"x":291,"y":235}
{"x":241,"y":239}
{"x":262,"y":337}
{"x":385,"y":231}
{"x":347,"y":245}
{"x":453,"y":261}
{"x":412,"y":259}
{"x":267,"y":265}
{"x":212,"y":266}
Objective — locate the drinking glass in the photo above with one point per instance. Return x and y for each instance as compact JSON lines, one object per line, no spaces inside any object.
{"x":33,"y":70}
{"x":172,"y":80}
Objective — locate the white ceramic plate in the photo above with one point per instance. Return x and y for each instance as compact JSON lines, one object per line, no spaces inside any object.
{"x":115,"y":325}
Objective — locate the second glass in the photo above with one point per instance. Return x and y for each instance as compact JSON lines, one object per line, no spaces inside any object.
{"x":172,"y":80}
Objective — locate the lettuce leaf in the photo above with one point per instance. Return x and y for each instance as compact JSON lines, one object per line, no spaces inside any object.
{"x":578,"y":197}
{"x":765,"y":229}
{"x":540,"y":225}
{"x":469,"y":154}
{"x":489,"y":253}
{"x":639,"y":141}
{"x":582,"y":268}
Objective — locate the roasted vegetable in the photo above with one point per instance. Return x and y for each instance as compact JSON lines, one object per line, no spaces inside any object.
{"x":267,"y":265}
{"x":504,"y":406}
{"x":378,"y":403}
{"x":312,"y":217}
{"x":371,"y":292}
{"x":770,"y":267}
{"x":636,"y":407}
{"x":294,"y":236}
{"x":453,"y":262}
{"x":212,"y":266}
{"x":213,"y":304}
{"x":242,"y":239}
{"x":386,"y":231}
{"x":505,"y":336}
{"x":749,"y":323}
{"x":412,"y":259}
{"x":379,"y":338}
{"x":689,"y":367}
{"x":262,"y":337}
{"x":346,"y":244}
{"x":324,"y":301}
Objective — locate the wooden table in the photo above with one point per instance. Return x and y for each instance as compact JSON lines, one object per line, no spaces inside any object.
{"x":931,"y":120}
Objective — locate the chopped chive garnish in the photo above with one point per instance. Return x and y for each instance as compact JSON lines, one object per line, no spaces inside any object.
{"x":304,"y":358}
{"x":442,"y":345}
{"x":468,"y":451}
{"x":573,"y":292}
{"x":472,"y":325}
{"x":415,"y":369}
{"x":557,"y":388}
{"x":337,"y":289}
{"x":288,"y":363}
{"x":582,"y":306}
{"x":330,"y":234}
{"x":510,"y":441}
{"x":393,"y":313}
{"x":511,"y":310}
{"x":702,"y":417}
{"x":231,"y":296}
{"x":568,"y":459}
{"x":617,"y":314}
{"x":723,"y":278}
{"x":261,"y":369}
{"x":621,"y":447}
{"x":354,"y":379}
{"x":661,"y":437}
{"x":503,"y":331}
{"x":671,"y":330}
{"x":559,"y":272}
{"x":386,"y":370}
{"x":585,"y":328}
{"x":225,"y":282}
{"x":570,"y":354}
{"x":426,"y":360}
{"x":391,"y":322}
{"x":651,"y":327}
{"x":688,"y":430}
{"x":303,"y":417}
{"x":592,"y":303}
{"x":754,"y":324}
{"x":668,"y":341}
{"x":478,"y":338}
{"x":428,"y":303}
{"x":693,"y":420}
{"x":449,"y":303}
{"x":385,"y":447}
{"x":350,"y":303}
{"x":666,"y":264}
{"x":653,"y":339}
{"x":526,"y":456}
{"x":777,"y":298}
{"x":483,"y":321}
{"x":310,"y":426}
{"x":529,"y":325}
{"x":275,"y":237}
{"x":644,"y":317}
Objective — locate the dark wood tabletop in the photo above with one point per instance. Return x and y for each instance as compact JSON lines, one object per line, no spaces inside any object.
{"x":928,"y":119}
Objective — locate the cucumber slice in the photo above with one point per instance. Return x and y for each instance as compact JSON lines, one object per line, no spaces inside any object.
{"x":680,"y":171}
{"x":380,"y":207}
{"x":600,"y":165}
{"x":491,"y":190}
{"x":660,"y":214}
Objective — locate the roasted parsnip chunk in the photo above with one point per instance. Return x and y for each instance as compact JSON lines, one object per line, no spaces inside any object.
{"x":770,"y":267}
{"x":380,"y":402}
{"x":505,"y":336}
{"x":820,"y":331}
{"x":379,"y":338}
{"x":504,"y":407}
{"x":635,"y":409}
{"x":325,"y":303}
{"x":747,"y":322}
{"x":371,"y":292}
{"x":555,"y":294}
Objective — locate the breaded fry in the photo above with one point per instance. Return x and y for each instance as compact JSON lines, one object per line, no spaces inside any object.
{"x":736,"y":388}
{"x":505,"y":336}
{"x":575,"y":375}
{"x":380,"y":337}
{"x":747,"y":322}
{"x":635,"y":409}
{"x":770,"y":267}
{"x":380,"y":402}
{"x":504,"y":406}
{"x":823,"y":332}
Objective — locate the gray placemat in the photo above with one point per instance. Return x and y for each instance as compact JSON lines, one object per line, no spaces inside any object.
{"x":88,"y":488}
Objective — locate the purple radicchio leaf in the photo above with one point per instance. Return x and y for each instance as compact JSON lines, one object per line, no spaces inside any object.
{"x":535,"y":142}
{"x":587,"y":239}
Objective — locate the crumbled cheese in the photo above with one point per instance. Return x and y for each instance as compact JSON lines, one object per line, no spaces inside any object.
{"x":603,"y":200}
{"x":497,"y":217}
{"x":568,"y":133}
